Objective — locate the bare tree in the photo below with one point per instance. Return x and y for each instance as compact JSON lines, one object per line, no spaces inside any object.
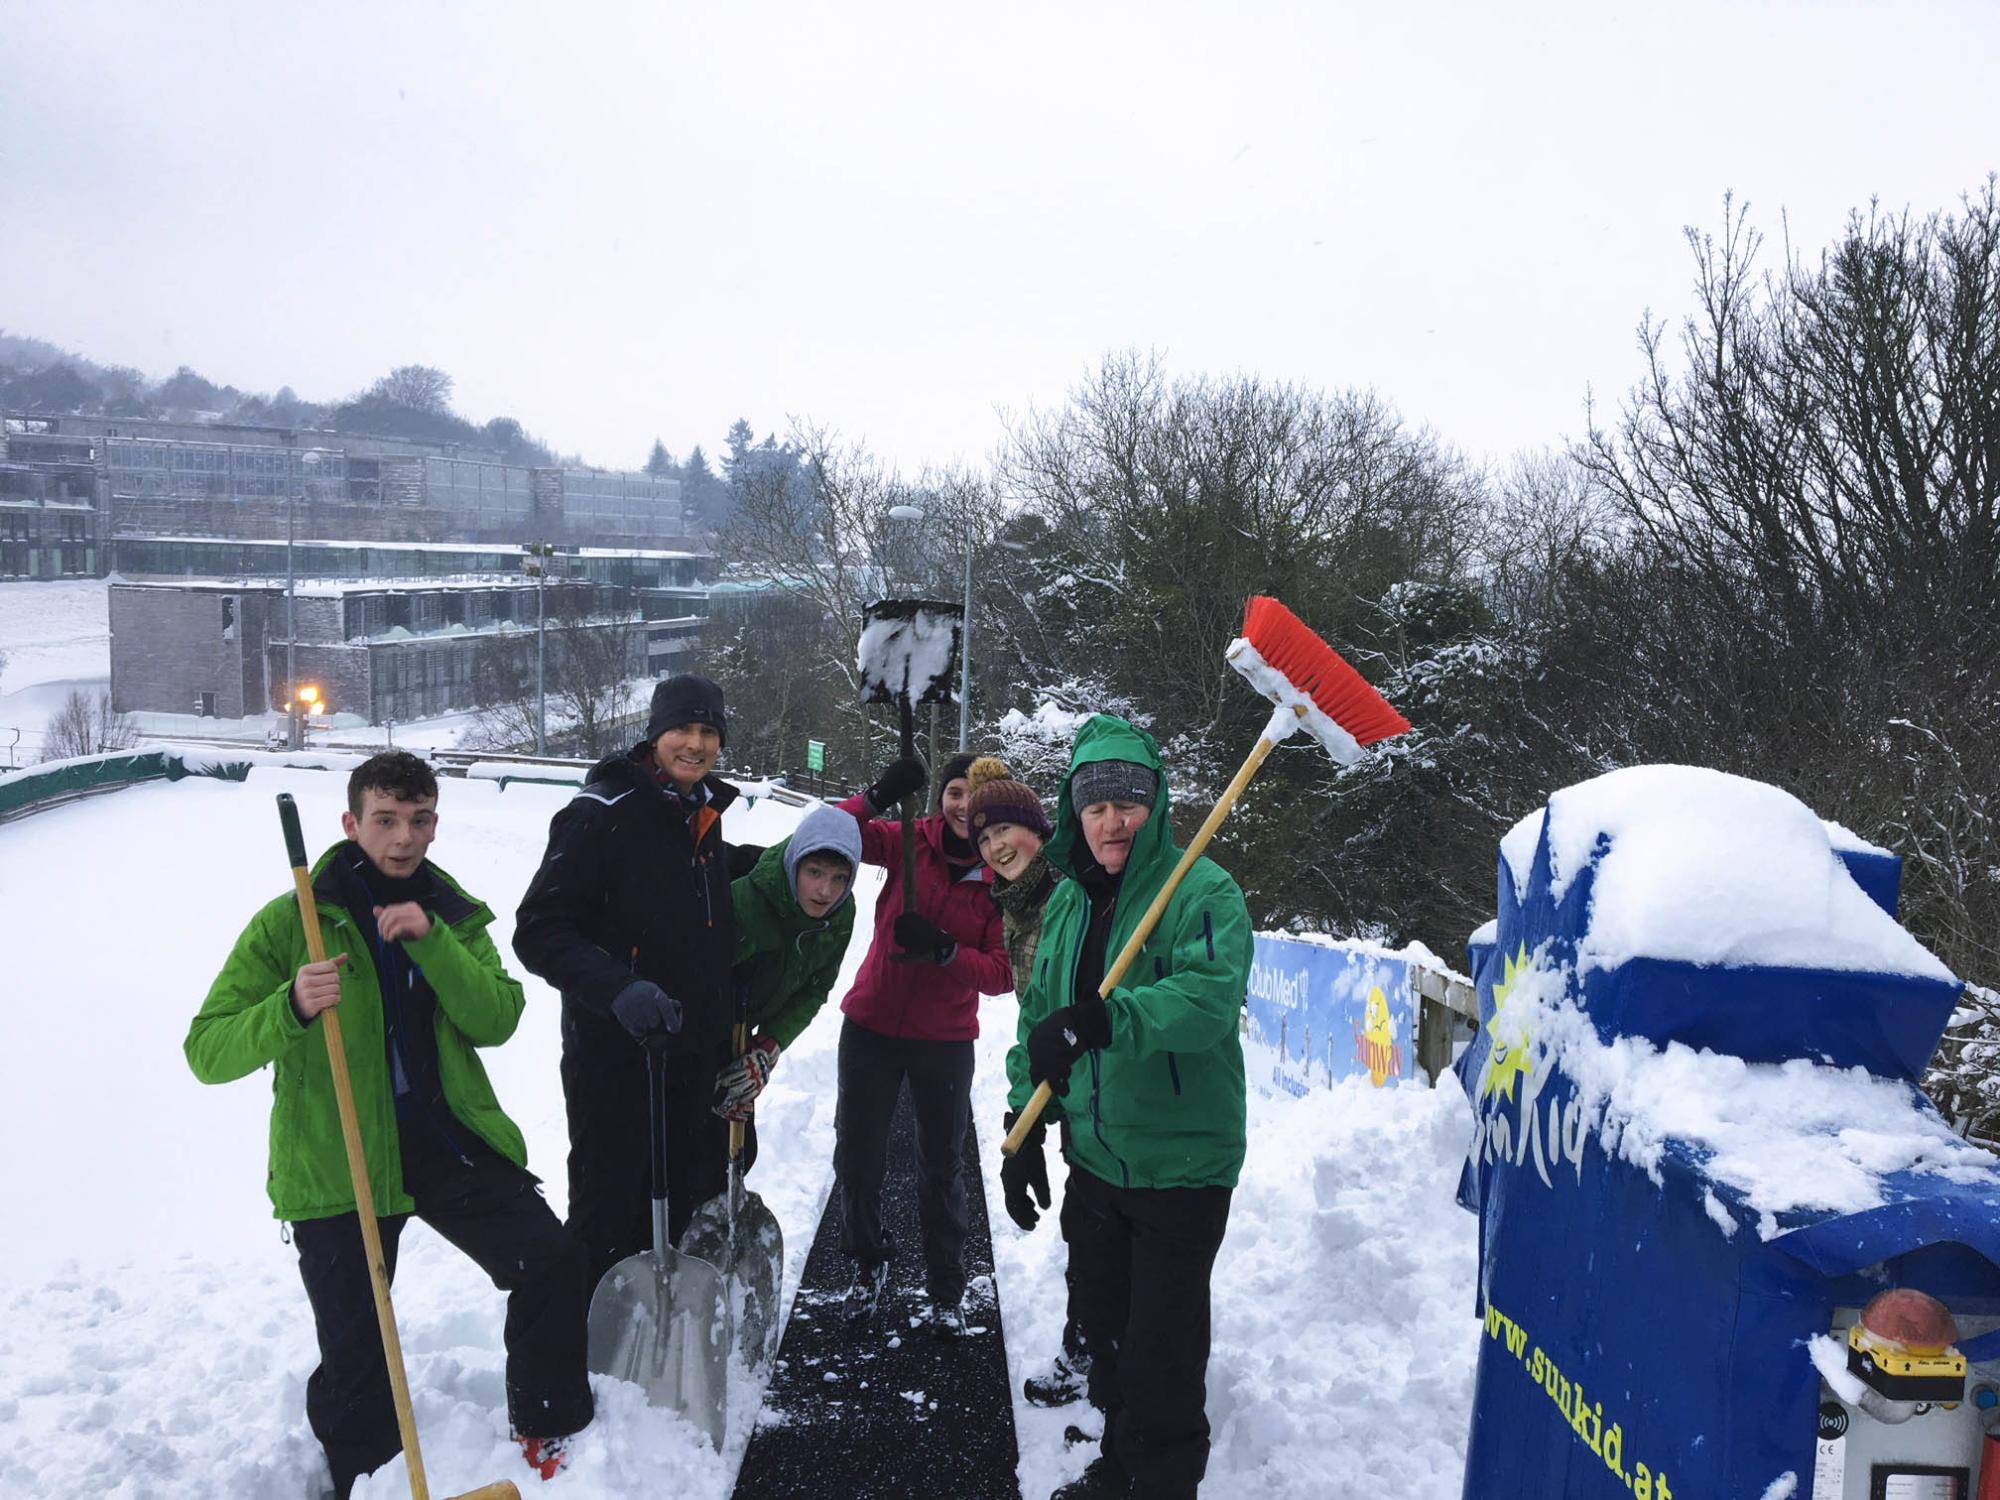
{"x":86,"y":726}
{"x":1168,"y":502}
{"x":417,"y":387}
{"x":820,"y":530}
{"x":592,"y":663}
{"x":1812,"y":483}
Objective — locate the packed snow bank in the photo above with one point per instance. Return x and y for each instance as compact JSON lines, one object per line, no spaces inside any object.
{"x":1699,"y":866}
{"x":55,"y":630}
{"x":1786,"y":1138}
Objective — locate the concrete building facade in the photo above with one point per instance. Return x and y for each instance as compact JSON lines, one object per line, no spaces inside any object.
{"x":150,"y":493}
{"x":388,"y":652}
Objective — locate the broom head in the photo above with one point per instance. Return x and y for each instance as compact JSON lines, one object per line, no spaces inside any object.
{"x":1281,"y":643}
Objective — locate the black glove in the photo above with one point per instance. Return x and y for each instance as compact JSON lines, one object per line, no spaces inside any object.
{"x":898,"y":780}
{"x":920,"y":937}
{"x":1026,"y":1168}
{"x":1063,"y":1036}
{"x":648,"y":1012}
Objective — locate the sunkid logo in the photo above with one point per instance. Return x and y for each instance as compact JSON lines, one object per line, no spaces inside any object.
{"x":1514,"y":1067}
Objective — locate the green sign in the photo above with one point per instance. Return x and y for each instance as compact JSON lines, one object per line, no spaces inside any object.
{"x":815,"y":755}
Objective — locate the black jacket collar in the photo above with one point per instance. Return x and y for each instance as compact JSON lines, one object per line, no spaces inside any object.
{"x":443,"y":899}
{"x":633,"y":770}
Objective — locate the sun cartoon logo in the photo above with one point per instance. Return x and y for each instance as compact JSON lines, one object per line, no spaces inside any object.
{"x":1511,"y":1052}
{"x":1378,"y":1037}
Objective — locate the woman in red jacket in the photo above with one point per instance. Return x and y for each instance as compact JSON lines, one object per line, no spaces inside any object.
{"x":913,"y":1014}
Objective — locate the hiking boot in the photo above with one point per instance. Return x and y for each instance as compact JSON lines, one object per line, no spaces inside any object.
{"x":1103,"y":1480}
{"x":548,"y":1457}
{"x":1063,"y":1380}
{"x":947,"y":1317}
{"x":864,"y":1293}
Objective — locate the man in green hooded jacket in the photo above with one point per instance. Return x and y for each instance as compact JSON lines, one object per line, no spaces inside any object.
{"x":1151,"y":1080}
{"x":419,"y":986}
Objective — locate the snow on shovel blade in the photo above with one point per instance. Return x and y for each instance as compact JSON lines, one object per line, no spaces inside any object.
{"x":751,"y":1258}
{"x":660,"y":1319}
{"x":908,"y":650}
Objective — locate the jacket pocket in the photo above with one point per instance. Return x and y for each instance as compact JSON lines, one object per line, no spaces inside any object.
{"x":1174,"y":1073}
{"x":287,"y":1093}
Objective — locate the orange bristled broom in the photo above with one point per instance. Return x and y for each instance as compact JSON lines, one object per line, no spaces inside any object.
{"x":1313,"y":689}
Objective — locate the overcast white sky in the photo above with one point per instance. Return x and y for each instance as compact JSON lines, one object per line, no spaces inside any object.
{"x":904,"y":221}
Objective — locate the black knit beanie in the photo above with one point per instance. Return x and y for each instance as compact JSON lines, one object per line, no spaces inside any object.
{"x":953,"y":770}
{"x":687,"y":699}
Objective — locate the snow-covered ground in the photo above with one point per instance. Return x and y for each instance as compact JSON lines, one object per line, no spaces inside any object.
{"x":56,"y":637}
{"x":156,"y":1340}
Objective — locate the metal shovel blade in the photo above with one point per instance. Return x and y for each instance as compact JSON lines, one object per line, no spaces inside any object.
{"x":660,"y":1319}
{"x":751,"y":1257}
{"x":908,"y":651}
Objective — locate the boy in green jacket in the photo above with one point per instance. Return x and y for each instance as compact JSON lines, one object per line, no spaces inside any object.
{"x":1151,"y":1079}
{"x":794,"y":916}
{"x":420,"y":986}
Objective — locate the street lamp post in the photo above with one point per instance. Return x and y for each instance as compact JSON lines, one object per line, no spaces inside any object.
{"x":309,"y":461}
{"x":965,"y":658}
{"x":291,"y":615}
{"x":540,"y":553}
{"x":541,"y":662}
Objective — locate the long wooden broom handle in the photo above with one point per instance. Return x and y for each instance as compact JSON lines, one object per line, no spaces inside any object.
{"x":1043,"y":1093}
{"x":364,"y":1197}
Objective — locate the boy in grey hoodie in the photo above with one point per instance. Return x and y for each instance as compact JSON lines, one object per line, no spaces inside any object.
{"x":794,"y":916}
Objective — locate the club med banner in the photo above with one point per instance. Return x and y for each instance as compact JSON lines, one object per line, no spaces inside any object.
{"x":1321,"y":1012}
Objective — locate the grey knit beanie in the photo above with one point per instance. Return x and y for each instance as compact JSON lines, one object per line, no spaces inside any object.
{"x":1113,"y":781}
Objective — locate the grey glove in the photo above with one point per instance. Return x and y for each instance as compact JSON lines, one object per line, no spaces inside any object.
{"x":648,"y":1012}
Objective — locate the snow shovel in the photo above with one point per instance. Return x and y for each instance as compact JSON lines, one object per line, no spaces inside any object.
{"x":738,"y":1235}
{"x":905,"y":658}
{"x":357,"y":1167}
{"x":1315,"y":690}
{"x":660,"y":1319}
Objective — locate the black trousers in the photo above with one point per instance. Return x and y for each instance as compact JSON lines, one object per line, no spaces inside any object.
{"x":1074,"y":1344}
{"x":872,"y":1071}
{"x":493,"y":1211}
{"x":610,"y":1165}
{"x":1139,"y":1261}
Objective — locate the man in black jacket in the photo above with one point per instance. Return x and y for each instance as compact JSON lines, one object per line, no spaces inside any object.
{"x":629,"y":917}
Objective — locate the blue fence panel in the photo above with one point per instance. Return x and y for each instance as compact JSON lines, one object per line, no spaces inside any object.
{"x":1319,"y":1014}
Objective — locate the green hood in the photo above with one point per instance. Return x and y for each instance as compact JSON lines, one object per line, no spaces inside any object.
{"x":1162,"y":1105}
{"x":1153,"y":850}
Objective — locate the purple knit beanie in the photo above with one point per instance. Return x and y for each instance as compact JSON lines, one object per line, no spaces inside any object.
{"x":998,"y":798}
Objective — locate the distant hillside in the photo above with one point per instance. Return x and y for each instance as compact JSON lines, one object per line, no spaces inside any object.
{"x":38,"y":378}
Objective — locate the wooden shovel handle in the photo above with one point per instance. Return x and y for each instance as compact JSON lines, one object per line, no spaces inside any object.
{"x":740,"y":1042}
{"x":1043,"y":1093}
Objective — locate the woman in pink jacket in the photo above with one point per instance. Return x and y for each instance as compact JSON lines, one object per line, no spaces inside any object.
{"x":912,"y":1015}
